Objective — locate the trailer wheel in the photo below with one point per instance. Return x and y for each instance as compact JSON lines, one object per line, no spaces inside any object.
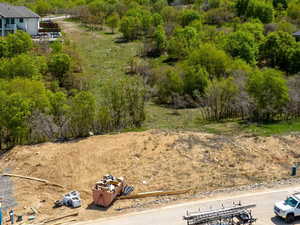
{"x":290,"y":218}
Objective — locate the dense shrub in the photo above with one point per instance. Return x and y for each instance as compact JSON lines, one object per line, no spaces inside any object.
{"x":262,"y":10}
{"x":269,"y":92}
{"x":243,"y":45}
{"x":214,"y":61}
{"x":183,"y":41}
{"x":59,"y":65}
{"x":277,"y":48}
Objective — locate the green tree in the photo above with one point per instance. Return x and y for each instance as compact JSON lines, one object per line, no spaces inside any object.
{"x":19,"y":42}
{"x":113,"y":21}
{"x":213,"y":4}
{"x":215,"y":61}
{"x":218,"y":16}
{"x":56,"y":47}
{"x":33,"y":91}
{"x":220,"y":97}
{"x":82,"y":112}
{"x":195,"y":81}
{"x":269,"y":93}
{"x":22,"y":65}
{"x":277,"y":48}
{"x":159,"y":5}
{"x":42,"y":7}
{"x":293,"y":11}
{"x":294,"y":60}
{"x":241,"y":7}
{"x":97,"y":7}
{"x":286,"y":27}
{"x":59,"y":64}
{"x":262,"y":10}
{"x":14,"y":111}
{"x":243,"y":45}
{"x":182,"y":42}
{"x":157,"y":20}
{"x":278,"y":4}
{"x":4,"y":52}
{"x":254,"y":27}
{"x":122,"y":104}
{"x":144,"y":16}
{"x":170,"y":14}
{"x":189,"y":16}
{"x":131,"y":27}
{"x":169,"y":85}
{"x":160,"y":39}
{"x":58,"y":106}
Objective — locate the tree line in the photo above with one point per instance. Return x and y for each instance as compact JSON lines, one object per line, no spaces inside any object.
{"x":231,"y":58}
{"x":38,"y":101}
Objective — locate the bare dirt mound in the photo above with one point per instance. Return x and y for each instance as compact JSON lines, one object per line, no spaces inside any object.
{"x":151,"y":160}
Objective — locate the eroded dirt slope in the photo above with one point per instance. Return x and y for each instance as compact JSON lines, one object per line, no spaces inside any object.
{"x":151,"y":160}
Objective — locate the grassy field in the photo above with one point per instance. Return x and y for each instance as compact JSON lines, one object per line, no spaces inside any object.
{"x":190,"y":119}
{"x":282,"y":127}
{"x":185,"y":119}
{"x":102,"y":53}
{"x":104,"y":56}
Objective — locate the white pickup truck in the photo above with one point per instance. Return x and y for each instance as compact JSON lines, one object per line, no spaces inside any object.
{"x":288,"y":209}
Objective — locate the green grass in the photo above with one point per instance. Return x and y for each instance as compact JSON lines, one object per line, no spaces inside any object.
{"x":282,"y":127}
{"x":159,"y":117}
{"x":101,"y":55}
{"x":167,"y":118}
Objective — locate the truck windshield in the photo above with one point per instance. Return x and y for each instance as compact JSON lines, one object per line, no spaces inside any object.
{"x":291,"y":202}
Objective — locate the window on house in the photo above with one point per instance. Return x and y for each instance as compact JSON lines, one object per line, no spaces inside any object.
{"x":0,"y":22}
{"x":12,"y":20}
{"x":7,"y":21}
{"x":21,"y":20}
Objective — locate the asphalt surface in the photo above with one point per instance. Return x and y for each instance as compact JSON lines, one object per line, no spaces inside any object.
{"x":172,"y":215}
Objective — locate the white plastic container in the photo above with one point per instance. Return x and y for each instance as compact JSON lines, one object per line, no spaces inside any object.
{"x":75,"y":202}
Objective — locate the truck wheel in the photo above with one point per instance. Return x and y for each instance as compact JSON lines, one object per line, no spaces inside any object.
{"x":290,"y":218}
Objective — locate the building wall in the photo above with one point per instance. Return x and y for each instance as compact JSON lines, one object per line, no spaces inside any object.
{"x":2,"y":33}
{"x":29,"y":25}
{"x":21,"y":25}
{"x":32,"y":25}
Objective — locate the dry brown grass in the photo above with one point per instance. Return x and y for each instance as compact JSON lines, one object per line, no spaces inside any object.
{"x":164,"y":160}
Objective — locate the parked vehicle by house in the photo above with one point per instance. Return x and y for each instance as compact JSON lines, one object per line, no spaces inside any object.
{"x":288,"y":209}
{"x":13,"y":18}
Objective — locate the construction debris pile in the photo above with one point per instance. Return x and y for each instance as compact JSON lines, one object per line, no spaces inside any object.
{"x":107,"y":189}
{"x":109,"y":183}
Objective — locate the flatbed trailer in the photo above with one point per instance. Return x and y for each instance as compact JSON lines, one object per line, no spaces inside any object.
{"x":234,"y":215}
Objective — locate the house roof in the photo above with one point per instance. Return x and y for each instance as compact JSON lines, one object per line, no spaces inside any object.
{"x":297,"y":33}
{"x":10,"y":11}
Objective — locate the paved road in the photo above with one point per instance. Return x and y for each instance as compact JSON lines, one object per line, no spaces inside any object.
{"x":172,"y":215}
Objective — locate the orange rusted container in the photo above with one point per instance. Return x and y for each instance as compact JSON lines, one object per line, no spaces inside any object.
{"x":107,"y":189}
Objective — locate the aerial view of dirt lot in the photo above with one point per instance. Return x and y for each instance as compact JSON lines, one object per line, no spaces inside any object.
{"x":150,"y":161}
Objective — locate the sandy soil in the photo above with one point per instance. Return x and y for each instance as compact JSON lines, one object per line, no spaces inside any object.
{"x":151,"y":160}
